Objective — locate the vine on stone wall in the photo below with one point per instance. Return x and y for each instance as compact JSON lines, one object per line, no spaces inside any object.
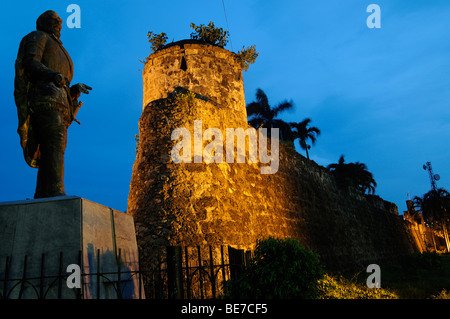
{"x":185,"y":99}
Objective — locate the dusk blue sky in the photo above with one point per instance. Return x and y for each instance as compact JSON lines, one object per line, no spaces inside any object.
{"x":379,"y":96}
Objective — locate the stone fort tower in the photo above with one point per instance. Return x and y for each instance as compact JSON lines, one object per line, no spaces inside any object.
{"x":186,"y":203}
{"x":192,"y":204}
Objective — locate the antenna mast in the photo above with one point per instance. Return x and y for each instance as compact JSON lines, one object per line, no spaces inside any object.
{"x":433,"y":178}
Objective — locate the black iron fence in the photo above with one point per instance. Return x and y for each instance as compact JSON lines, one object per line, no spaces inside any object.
{"x":177,"y":272}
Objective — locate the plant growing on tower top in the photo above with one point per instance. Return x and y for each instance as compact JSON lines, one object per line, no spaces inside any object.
{"x":247,"y":56}
{"x":157,"y":40}
{"x":210,"y":34}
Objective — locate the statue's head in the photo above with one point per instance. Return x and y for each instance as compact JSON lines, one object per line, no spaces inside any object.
{"x":50,"y":22}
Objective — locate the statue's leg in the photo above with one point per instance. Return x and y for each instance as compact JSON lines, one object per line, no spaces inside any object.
{"x":52,"y":132}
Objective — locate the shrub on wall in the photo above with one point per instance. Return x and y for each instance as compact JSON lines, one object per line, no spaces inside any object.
{"x":157,"y":40}
{"x":210,"y":34}
{"x":247,"y":56}
{"x":280,"y":269}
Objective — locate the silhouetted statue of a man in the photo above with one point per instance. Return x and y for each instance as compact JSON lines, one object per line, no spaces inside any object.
{"x":46,"y":103}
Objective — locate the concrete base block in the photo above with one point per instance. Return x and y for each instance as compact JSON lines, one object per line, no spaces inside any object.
{"x":40,"y":238}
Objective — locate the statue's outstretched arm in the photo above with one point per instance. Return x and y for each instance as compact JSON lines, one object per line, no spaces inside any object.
{"x":77,"y":89}
{"x":75,"y":92}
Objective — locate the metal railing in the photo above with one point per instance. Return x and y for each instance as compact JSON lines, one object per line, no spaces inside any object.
{"x":177,"y":272}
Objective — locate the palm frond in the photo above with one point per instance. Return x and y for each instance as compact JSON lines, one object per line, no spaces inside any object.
{"x":254,"y":108}
{"x":262,"y":99}
{"x":256,"y":122}
{"x":286,"y":105}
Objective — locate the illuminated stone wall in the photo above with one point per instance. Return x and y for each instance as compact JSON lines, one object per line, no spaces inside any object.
{"x":205,"y":69}
{"x":233,"y":203}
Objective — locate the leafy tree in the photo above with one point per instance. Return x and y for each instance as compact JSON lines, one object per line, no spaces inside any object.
{"x":247,"y":56}
{"x":303,"y":133}
{"x":353,"y":175}
{"x":157,"y":40}
{"x":210,"y":34}
{"x":261,"y":114}
{"x":435,"y":208}
{"x":280,"y":269}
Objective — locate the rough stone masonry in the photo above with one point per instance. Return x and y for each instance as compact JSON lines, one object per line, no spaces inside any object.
{"x":234,"y":204}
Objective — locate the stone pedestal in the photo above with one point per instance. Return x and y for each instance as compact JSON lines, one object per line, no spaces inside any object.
{"x":41,"y":238}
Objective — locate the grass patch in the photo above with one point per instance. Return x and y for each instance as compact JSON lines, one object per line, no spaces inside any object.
{"x":339,"y":287}
{"x":418,"y":276}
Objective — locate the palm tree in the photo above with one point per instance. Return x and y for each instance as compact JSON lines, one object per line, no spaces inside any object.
{"x":303,"y":133}
{"x":353,"y":175}
{"x":435,"y":207}
{"x":341,"y":173}
{"x":264,"y":115}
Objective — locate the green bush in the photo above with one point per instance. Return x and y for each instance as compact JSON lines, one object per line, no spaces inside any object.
{"x":157,"y":40}
{"x":280,"y":269}
{"x":247,"y":56}
{"x":210,"y":34}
